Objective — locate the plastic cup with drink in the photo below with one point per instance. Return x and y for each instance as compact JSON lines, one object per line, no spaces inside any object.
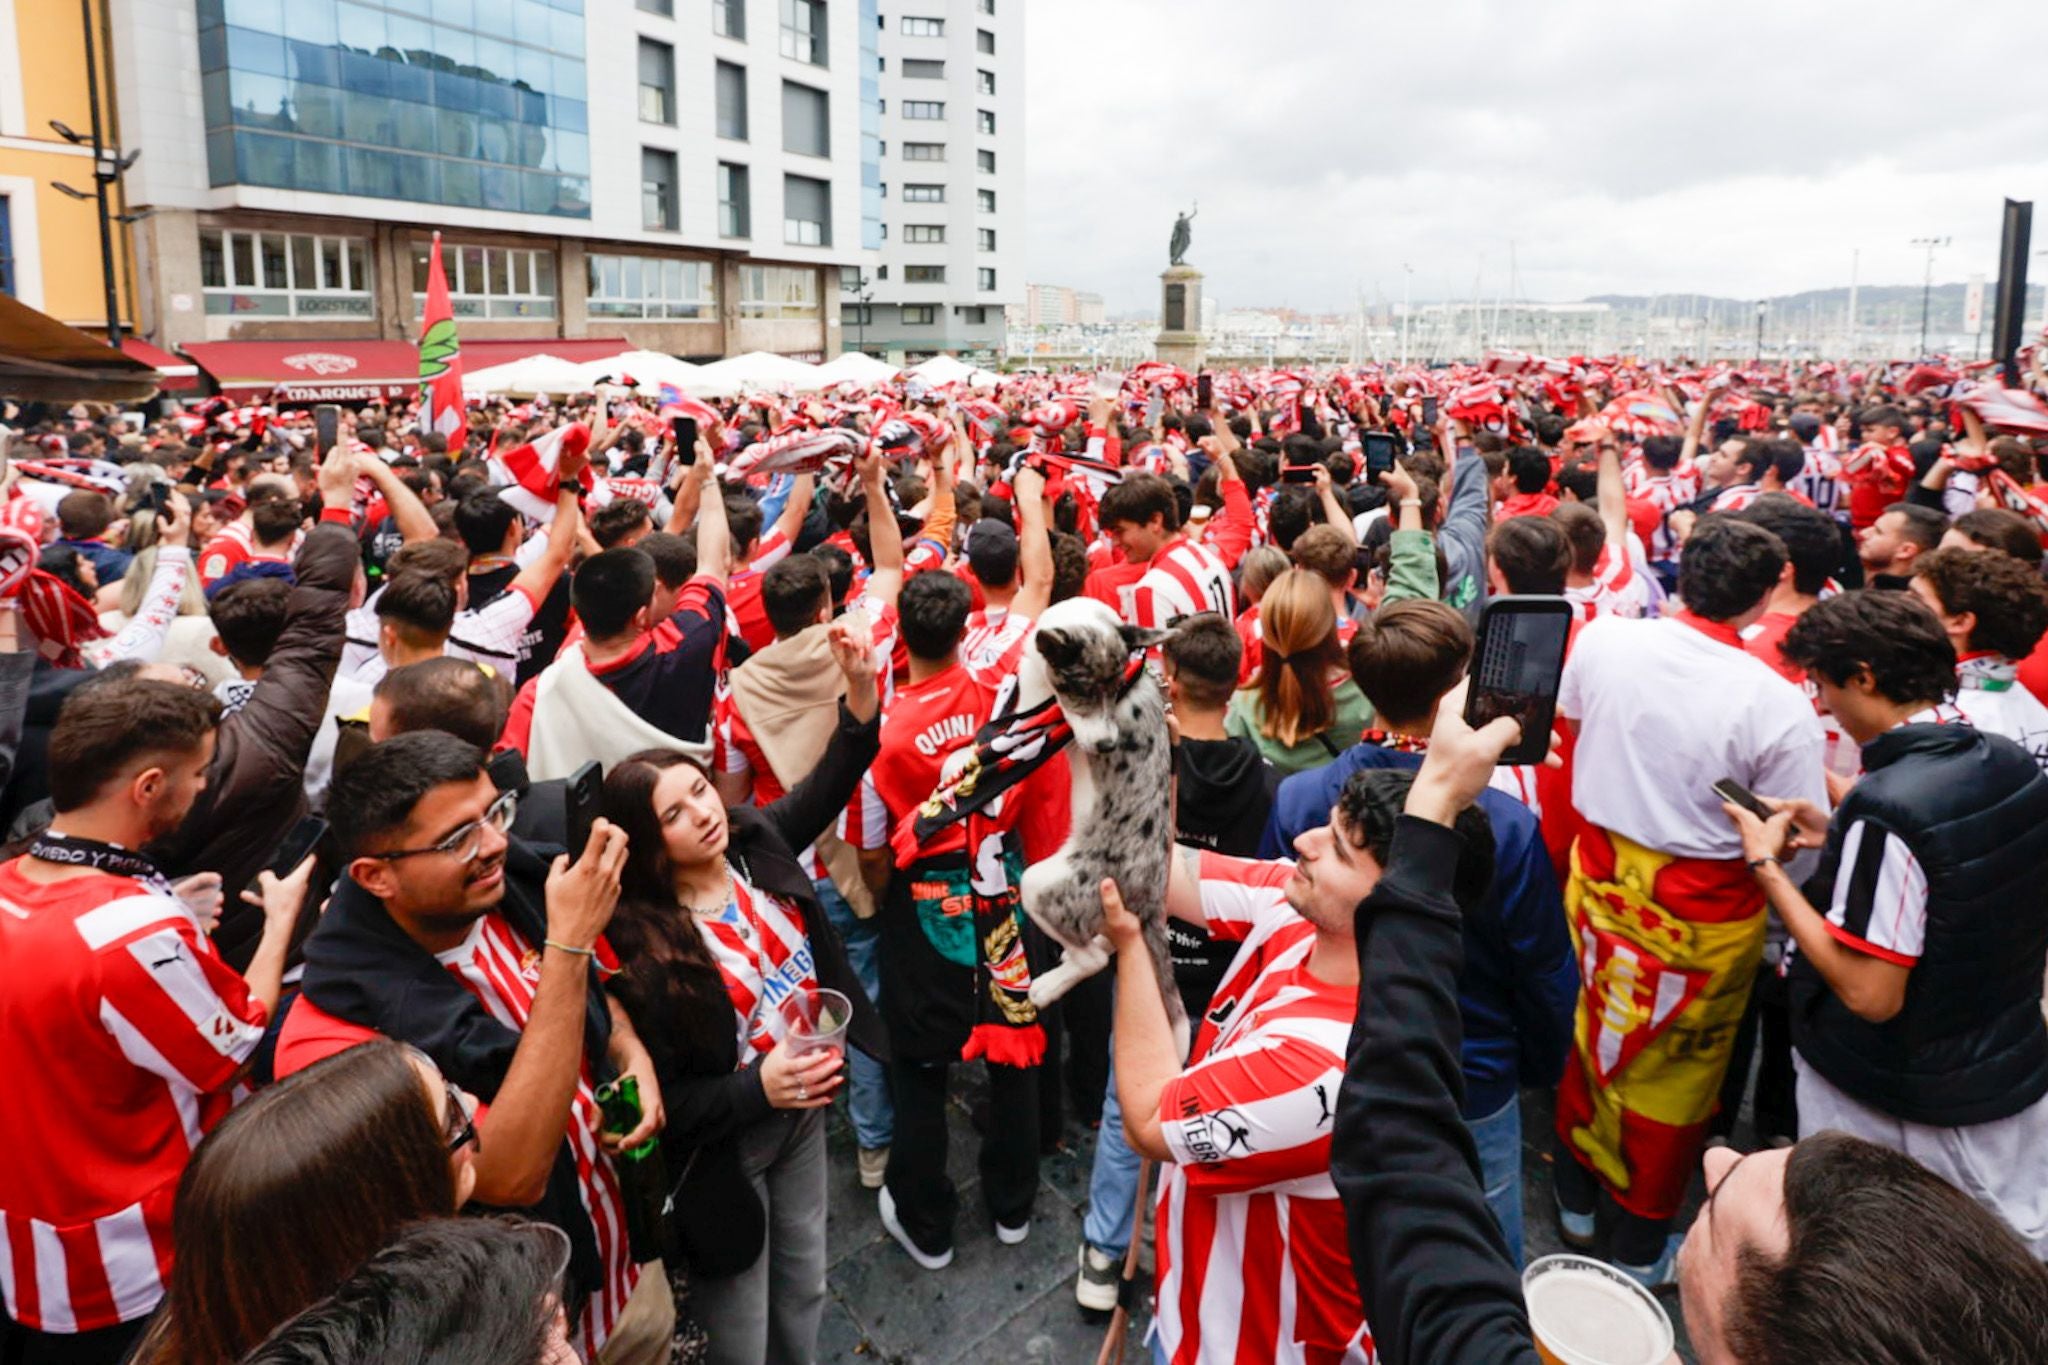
{"x":817,"y":1020}
{"x":1585,"y":1312}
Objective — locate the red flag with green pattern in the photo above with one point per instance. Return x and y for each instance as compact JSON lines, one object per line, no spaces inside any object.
{"x":440,"y":355}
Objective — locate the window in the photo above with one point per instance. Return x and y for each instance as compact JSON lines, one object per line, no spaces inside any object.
{"x":924,"y":151}
{"x":924,"y":109}
{"x":665,"y":8}
{"x":274,"y":274}
{"x":985,"y":239}
{"x":985,"y":160}
{"x":774,"y":291}
{"x":6,"y":250}
{"x":881,"y":272}
{"x":735,"y":213}
{"x":924,"y":233}
{"x":806,"y":120}
{"x":490,"y":281}
{"x":729,"y":19}
{"x":657,"y":82}
{"x":731,"y":82}
{"x":988,"y":7}
{"x":915,"y":70}
{"x":923,"y":28}
{"x":984,"y":41}
{"x":985,"y":279}
{"x":974,"y":315}
{"x":806,"y":211}
{"x":857,"y":314}
{"x":658,"y":211}
{"x":985,"y":121}
{"x":985,"y":200}
{"x":985,"y":82}
{"x":924,"y":274}
{"x":924,"y":194}
{"x":803,"y":31}
{"x":652,"y":287}
{"x":920,"y":314}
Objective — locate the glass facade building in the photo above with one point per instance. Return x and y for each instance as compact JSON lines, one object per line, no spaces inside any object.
{"x":466,"y":103}
{"x":870,"y":128}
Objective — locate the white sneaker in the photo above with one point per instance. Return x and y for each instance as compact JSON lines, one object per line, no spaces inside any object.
{"x":895,"y":1229}
{"x":1009,"y":1236}
{"x":874,"y":1165}
{"x":1095,"y":1288}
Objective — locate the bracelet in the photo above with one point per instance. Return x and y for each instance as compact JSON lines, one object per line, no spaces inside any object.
{"x":1411,"y":502}
{"x":1755,"y":863}
{"x":580,"y":952}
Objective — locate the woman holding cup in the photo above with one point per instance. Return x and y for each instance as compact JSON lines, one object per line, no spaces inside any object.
{"x":742,"y":991}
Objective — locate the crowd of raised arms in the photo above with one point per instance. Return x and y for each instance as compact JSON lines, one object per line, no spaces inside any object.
{"x":428,"y":847}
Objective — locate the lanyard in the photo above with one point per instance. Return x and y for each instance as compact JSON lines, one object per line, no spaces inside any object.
{"x":74,"y":851}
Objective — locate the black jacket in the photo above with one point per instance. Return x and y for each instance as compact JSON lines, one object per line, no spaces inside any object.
{"x":1969,"y":1046}
{"x":683,"y":1014}
{"x":1433,"y":1271}
{"x":362,"y":967}
{"x":1226,"y":792}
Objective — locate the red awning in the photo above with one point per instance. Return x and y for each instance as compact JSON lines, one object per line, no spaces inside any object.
{"x":481,"y":354}
{"x":310,"y":371}
{"x":178,"y":373}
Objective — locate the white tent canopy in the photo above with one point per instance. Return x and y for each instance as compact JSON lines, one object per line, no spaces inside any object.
{"x":857,"y":367}
{"x":946,"y":369}
{"x":649,"y":369}
{"x":528,"y":375}
{"x":756,"y":370}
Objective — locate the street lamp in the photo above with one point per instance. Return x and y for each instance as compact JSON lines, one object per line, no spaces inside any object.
{"x":107,"y":165}
{"x":1932,"y":244}
{"x":860,"y":286}
{"x":1763,"y":306}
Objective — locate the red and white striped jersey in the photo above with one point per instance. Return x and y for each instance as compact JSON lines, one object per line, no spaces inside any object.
{"x":121,"y":1033}
{"x":1253,"y":1261}
{"x":502,"y":970}
{"x":1185,"y":577}
{"x":764,"y":956}
{"x":234,"y":546}
{"x":1667,"y":491}
{"x":1616,"y":590}
{"x":1820,"y":482}
{"x":1736,"y":497}
{"x":994,"y":641}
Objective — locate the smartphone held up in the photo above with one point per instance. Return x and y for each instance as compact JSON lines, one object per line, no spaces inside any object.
{"x":1517,"y":665}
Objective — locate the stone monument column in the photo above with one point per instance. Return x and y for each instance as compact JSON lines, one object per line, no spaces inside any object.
{"x":1180,"y":311}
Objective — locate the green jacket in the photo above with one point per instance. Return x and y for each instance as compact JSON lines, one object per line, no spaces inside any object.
{"x":1354,"y":713}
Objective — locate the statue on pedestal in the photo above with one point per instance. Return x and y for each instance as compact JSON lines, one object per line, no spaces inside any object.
{"x":1183,"y":234}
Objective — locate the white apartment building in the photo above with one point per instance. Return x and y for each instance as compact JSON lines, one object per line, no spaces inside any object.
{"x":952,"y":181}
{"x":684,"y":174}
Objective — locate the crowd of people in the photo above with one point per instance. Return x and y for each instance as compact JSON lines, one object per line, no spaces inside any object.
{"x":425,"y":843}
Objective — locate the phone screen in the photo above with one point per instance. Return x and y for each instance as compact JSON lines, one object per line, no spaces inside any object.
{"x":1380,"y":449}
{"x":1298,"y":473}
{"x":1516,"y":666}
{"x":583,"y":795}
{"x":685,"y":429}
{"x":1728,"y":789}
{"x":1205,"y":391}
{"x":1429,"y":412}
{"x":327,"y":426}
{"x":1155,"y":406}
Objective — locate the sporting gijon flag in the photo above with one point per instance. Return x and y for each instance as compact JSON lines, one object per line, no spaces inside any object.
{"x":529,"y":474}
{"x":440,"y":356}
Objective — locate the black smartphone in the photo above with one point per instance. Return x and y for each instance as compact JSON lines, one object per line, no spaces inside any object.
{"x":685,"y":429}
{"x":1298,"y":473}
{"x":1205,"y":391}
{"x":1429,"y":412}
{"x":326,"y":427}
{"x":1379,"y":448}
{"x":304,"y":837}
{"x":1735,"y":794}
{"x":507,"y":770}
{"x":585,"y":790}
{"x":157,"y":498}
{"x":1386,"y":404}
{"x":1517,"y":664}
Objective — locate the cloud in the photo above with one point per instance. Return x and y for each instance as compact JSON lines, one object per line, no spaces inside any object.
{"x":1742,"y":149}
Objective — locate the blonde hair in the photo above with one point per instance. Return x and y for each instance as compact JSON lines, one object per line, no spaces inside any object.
{"x":1258,"y":570}
{"x":135,"y":586}
{"x":1298,"y":628}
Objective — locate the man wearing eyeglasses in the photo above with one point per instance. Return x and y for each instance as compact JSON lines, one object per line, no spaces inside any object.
{"x":451,"y":935}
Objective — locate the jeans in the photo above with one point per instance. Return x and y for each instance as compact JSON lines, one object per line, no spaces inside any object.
{"x":867,"y":1090}
{"x":1112,"y":1181}
{"x":1498,"y":1137}
{"x":771,"y":1310}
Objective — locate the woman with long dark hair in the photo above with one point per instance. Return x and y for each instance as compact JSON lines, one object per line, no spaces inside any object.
{"x":1303,"y":709}
{"x":299,"y":1186}
{"x":718,"y":922}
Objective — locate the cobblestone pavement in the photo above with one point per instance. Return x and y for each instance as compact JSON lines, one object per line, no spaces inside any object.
{"x":1016,"y":1304}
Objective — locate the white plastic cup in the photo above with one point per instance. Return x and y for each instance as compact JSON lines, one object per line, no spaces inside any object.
{"x":816,"y":1020}
{"x":1585,"y":1312}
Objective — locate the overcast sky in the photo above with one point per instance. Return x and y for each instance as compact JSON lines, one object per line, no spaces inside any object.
{"x":1742,"y":148}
